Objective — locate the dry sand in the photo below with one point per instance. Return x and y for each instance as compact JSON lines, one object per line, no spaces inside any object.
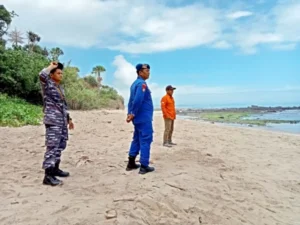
{"x":216,"y":175}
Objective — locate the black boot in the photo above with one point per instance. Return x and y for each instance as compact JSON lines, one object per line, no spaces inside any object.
{"x":50,"y":179}
{"x":146,"y":169}
{"x":131,"y":164}
{"x":58,"y":172}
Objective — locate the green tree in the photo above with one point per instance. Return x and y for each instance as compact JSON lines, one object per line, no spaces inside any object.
{"x":56,"y":53}
{"x":98,"y":70}
{"x":19,"y":73}
{"x":91,"y":81}
{"x":70,"y":75}
{"x":37,"y":49}
{"x":19,"y":69}
{"x":45,"y":52}
{"x":33,"y":38}
{"x":5,"y":21}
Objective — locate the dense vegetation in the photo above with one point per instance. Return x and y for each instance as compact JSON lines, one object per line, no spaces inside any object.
{"x":18,"y":112}
{"x":21,"y":59}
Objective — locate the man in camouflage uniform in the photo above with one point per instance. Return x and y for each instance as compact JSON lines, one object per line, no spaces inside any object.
{"x":56,"y":120}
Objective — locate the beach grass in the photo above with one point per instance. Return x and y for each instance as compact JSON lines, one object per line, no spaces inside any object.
{"x":15,"y":112}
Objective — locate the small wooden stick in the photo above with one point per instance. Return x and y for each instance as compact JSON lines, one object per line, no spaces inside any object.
{"x":172,"y":185}
{"x":124,"y":199}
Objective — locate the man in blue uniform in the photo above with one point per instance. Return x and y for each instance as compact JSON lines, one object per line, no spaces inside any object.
{"x":56,"y":120}
{"x":140,"y":112}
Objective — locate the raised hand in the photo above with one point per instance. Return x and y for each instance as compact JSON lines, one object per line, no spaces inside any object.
{"x":52,"y":66}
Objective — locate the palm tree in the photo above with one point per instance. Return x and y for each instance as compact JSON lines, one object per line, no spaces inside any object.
{"x":55,"y":53}
{"x":98,"y":70}
{"x":16,"y":37}
{"x":33,"y":38}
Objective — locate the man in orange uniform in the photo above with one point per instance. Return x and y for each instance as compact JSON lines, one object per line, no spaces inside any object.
{"x":169,"y":114}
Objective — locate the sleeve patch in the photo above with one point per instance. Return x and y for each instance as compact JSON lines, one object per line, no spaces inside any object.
{"x":144,"y":87}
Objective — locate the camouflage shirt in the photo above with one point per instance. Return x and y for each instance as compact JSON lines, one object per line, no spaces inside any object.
{"x":55,"y":106}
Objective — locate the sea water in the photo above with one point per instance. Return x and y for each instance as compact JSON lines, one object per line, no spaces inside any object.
{"x":283,"y":115}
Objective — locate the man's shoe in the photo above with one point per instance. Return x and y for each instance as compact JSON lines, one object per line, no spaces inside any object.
{"x":131,"y":164}
{"x":50,"y":179}
{"x":146,"y":169}
{"x":58,"y":172}
{"x":172,"y":143}
{"x":167,"y":145}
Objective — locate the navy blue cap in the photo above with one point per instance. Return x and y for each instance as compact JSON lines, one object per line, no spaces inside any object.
{"x":141,"y":66}
{"x":170,"y":87}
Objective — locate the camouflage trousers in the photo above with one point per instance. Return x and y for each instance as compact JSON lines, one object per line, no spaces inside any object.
{"x":56,"y":142}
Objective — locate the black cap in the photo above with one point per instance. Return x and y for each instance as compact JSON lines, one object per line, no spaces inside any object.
{"x":170,"y":87}
{"x":59,"y":66}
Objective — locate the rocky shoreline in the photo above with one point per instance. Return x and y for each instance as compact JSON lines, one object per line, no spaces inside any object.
{"x":249,"y":109}
{"x":238,"y":115}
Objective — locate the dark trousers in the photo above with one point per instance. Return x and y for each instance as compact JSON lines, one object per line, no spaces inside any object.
{"x":142,"y":139}
{"x":56,"y":142}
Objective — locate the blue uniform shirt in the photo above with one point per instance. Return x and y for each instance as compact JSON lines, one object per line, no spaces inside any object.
{"x":140,"y":102}
{"x":55,"y":107}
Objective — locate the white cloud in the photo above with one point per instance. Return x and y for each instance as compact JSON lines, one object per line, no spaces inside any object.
{"x":248,"y":43}
{"x":285,"y":47}
{"x":172,"y":28}
{"x":131,"y":26}
{"x":277,"y":28}
{"x":239,"y":14}
{"x":140,"y":26}
{"x":222,"y":45}
{"x":288,"y":20}
{"x":124,"y":76}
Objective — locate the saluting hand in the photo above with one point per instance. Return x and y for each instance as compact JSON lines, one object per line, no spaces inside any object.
{"x":52,"y":65}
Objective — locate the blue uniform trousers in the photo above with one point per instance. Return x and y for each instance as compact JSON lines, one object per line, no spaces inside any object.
{"x":56,"y":142}
{"x":142,"y":139}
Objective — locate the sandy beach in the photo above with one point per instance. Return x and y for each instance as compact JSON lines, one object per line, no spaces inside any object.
{"x":215,"y":175}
